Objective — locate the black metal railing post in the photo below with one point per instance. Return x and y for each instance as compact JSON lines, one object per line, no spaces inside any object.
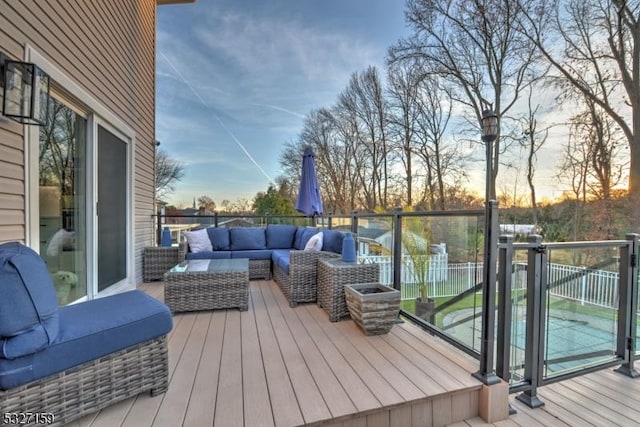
{"x":534,"y":356}
{"x":503,"y":336}
{"x":354,"y":222}
{"x":159,"y":227}
{"x":215,"y":219}
{"x":397,"y":248}
{"x":628,"y":306}
{"x":487,"y":374}
{"x":330,"y":220}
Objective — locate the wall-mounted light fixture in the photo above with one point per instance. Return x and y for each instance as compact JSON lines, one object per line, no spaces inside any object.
{"x":25,"y":93}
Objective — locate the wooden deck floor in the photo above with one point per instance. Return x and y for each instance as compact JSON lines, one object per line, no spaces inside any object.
{"x":277,"y":366}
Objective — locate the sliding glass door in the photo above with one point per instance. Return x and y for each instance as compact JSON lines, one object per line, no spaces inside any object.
{"x":62,"y":216}
{"x":111,"y":209}
{"x":80,"y":212}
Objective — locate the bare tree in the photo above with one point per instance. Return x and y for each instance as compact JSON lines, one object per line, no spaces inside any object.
{"x":472,"y":45}
{"x":206,"y":203}
{"x":403,"y":92}
{"x":364,"y":97}
{"x":441,"y":157}
{"x":533,"y":139}
{"x":168,"y":171}
{"x":599,"y":42}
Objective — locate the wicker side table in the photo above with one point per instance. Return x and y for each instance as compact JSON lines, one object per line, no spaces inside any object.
{"x":157,"y":261}
{"x":333,"y":274}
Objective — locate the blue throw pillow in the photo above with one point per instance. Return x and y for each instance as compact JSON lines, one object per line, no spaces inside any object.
{"x":219,"y":237}
{"x":245,"y":238}
{"x":280,"y":236}
{"x":29,"y":306}
{"x":332,"y":241}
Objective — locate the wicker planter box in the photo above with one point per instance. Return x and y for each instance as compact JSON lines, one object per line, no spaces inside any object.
{"x":374,"y":307}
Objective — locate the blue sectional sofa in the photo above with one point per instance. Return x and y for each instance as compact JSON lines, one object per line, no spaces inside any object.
{"x":74,"y":360}
{"x":277,"y":248}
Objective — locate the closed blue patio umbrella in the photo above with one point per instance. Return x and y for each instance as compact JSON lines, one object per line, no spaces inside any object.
{"x":309,"y":201}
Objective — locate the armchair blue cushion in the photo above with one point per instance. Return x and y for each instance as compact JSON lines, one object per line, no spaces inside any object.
{"x":219,"y":237}
{"x":28,"y":306}
{"x":245,"y":238}
{"x":88,"y":331}
{"x":280,"y":236}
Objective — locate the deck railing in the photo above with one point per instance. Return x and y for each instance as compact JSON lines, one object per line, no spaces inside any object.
{"x":573,"y":307}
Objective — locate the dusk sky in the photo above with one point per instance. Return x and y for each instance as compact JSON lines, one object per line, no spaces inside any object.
{"x":235,"y":79}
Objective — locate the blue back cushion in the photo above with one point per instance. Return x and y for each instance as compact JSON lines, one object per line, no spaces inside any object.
{"x":303,"y":234}
{"x":219,"y":237}
{"x":280,"y":236}
{"x":29,"y":306}
{"x":243,"y":238}
{"x":332,"y":241}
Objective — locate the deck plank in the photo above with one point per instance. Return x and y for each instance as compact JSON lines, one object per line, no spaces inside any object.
{"x":145,"y":408}
{"x":202,"y":402}
{"x":403,"y":385}
{"x":174,"y":406}
{"x":431,"y":347}
{"x":284,"y":403}
{"x":257,"y":406}
{"x":338,"y":401}
{"x":377,"y":384}
{"x":229,"y":404}
{"x":356,"y":389}
{"x":310,"y":399}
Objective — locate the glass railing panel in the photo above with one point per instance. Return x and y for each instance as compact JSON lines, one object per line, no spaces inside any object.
{"x":374,"y":241}
{"x":441,"y":274}
{"x":581,"y":308}
{"x":518,"y":317}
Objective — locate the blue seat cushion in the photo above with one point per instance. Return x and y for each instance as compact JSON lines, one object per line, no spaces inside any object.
{"x":208,"y":255}
{"x":219,"y":237}
{"x":28,"y":306}
{"x":303,"y":234}
{"x":91,"y":330}
{"x":332,"y":241}
{"x":252,"y":254}
{"x":280,"y":236}
{"x":247,"y":238}
{"x":280,"y":257}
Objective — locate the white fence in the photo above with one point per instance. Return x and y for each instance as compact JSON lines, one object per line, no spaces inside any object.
{"x":444,"y":279}
{"x":587,"y":286}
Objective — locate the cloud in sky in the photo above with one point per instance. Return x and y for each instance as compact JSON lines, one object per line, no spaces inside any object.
{"x":257,"y":68}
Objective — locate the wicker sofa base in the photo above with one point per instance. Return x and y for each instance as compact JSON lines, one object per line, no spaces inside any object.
{"x":94,"y":385}
{"x":300,"y":285}
{"x":259,"y":269}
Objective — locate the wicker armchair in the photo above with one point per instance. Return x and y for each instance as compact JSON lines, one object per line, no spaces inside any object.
{"x":300,"y":285}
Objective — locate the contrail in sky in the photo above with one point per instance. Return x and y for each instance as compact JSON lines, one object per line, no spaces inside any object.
{"x":244,"y":150}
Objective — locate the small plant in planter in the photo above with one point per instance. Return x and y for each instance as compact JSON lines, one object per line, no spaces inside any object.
{"x":416,"y":242}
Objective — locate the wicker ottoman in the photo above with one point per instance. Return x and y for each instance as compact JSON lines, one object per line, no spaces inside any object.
{"x":333,"y":274}
{"x":207,"y":284}
{"x":158,"y":260}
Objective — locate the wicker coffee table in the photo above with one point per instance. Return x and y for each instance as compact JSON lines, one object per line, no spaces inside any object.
{"x":333,"y":274}
{"x":207,"y":284}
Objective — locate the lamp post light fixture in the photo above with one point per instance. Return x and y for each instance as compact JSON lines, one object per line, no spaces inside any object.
{"x":25,"y":91}
{"x":489,"y":134}
{"x":486,"y":373}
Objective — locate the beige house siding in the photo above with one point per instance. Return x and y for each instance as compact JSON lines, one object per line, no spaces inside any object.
{"x":108,"y":49}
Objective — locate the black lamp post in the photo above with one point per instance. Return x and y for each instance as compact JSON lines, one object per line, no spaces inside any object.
{"x":487,"y":374}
